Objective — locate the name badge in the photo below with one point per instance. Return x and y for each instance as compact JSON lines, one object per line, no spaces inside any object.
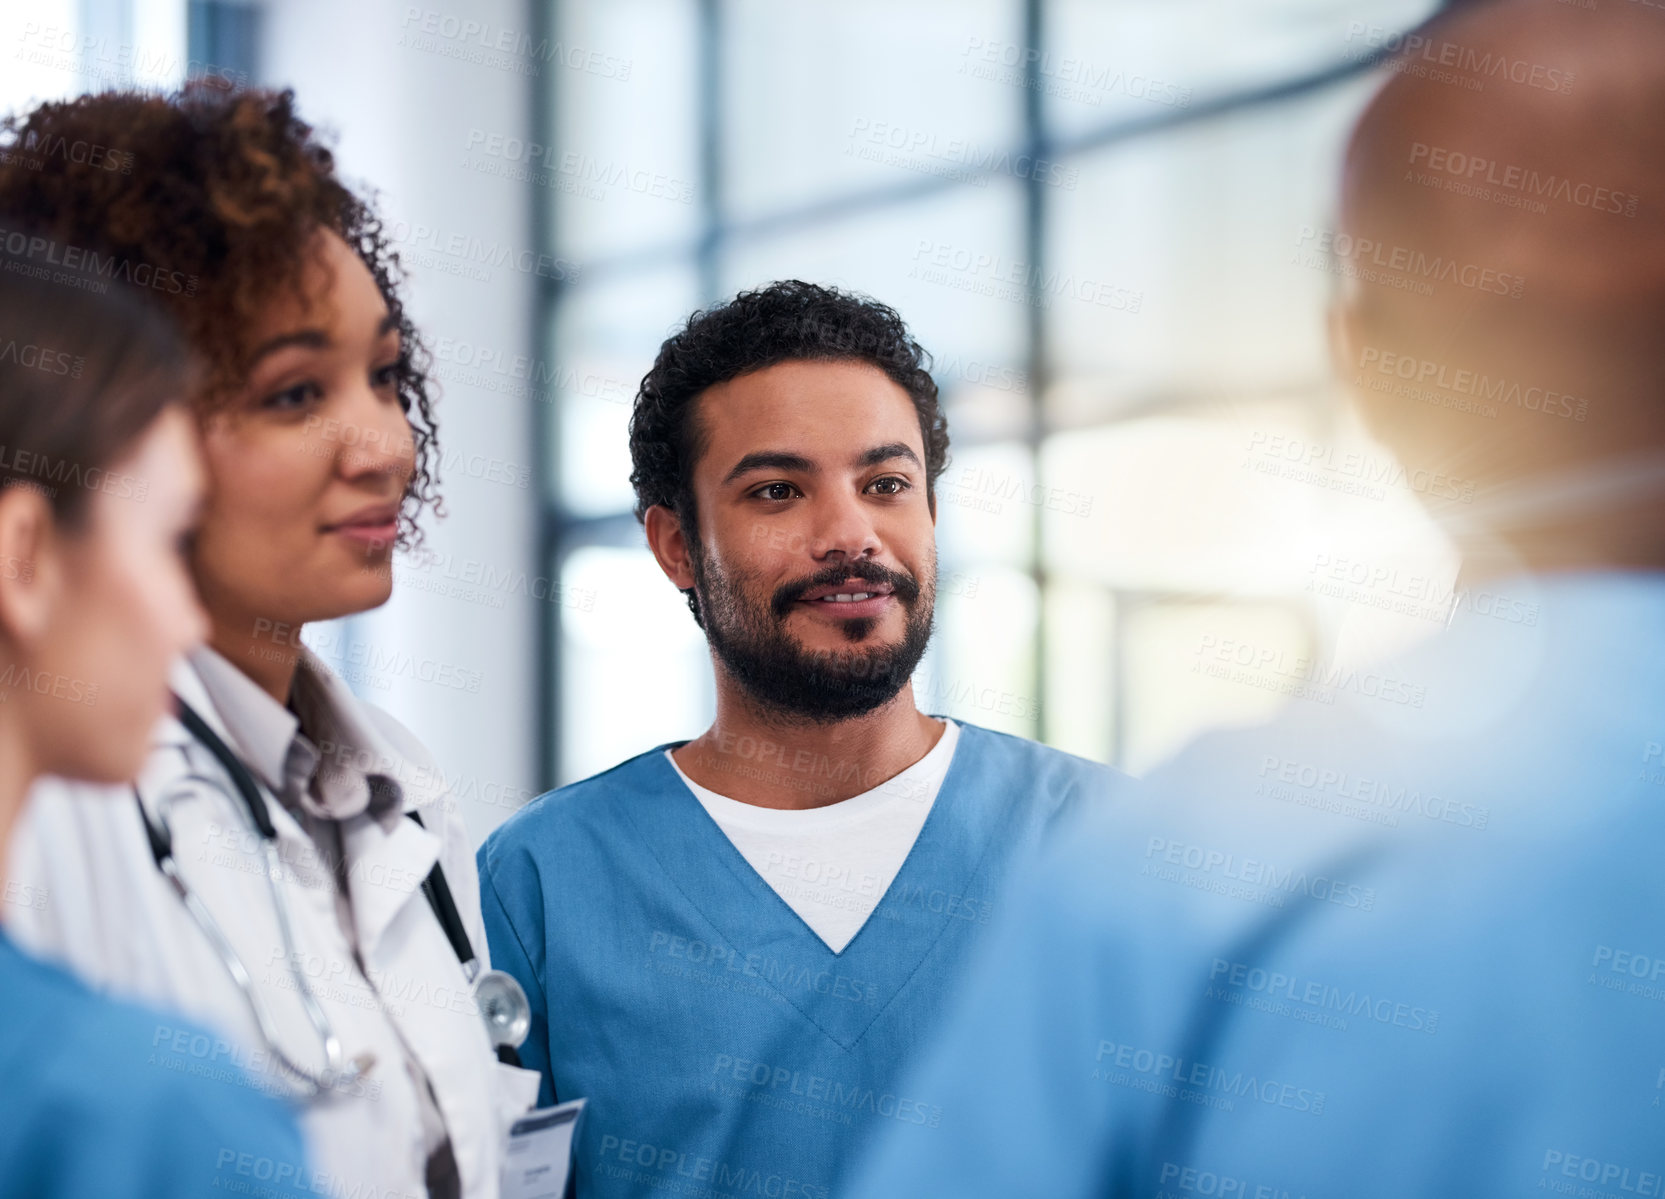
{"x":539,"y":1156}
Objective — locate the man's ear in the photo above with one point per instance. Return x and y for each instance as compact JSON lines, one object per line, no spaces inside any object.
{"x":30,"y":565}
{"x":670,"y":548}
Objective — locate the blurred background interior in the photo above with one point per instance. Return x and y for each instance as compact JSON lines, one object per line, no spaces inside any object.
{"x":1105,"y":219}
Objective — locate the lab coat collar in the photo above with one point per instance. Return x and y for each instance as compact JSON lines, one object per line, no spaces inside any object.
{"x":263,"y":731}
{"x":421,"y":782}
{"x":387,"y":858}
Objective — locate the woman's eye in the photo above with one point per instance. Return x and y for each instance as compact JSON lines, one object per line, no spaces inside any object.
{"x":385,"y":376}
{"x":890,"y":485}
{"x":291,"y":398}
{"x":775,"y":491}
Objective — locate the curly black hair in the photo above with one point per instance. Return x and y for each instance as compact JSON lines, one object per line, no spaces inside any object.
{"x":787,"y":321}
{"x":210,"y":197}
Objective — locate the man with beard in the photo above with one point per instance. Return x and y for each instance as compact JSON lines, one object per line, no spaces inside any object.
{"x":733,"y":944}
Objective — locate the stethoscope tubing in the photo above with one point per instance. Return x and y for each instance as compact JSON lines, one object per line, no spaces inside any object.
{"x":337,"y":1070}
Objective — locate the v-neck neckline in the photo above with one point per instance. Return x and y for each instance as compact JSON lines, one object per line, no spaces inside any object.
{"x":841,"y":992}
{"x":733,"y":812}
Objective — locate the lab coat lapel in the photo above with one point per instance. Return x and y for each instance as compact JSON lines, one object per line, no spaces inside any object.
{"x":385,"y":869}
{"x":388,"y":855}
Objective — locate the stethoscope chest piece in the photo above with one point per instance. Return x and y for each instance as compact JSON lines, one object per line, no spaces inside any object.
{"x":504,"y":1008}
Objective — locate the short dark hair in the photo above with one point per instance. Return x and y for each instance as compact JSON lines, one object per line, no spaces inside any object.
{"x":788,"y":321}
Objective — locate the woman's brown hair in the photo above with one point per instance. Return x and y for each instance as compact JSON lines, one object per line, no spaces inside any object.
{"x":209,"y":199}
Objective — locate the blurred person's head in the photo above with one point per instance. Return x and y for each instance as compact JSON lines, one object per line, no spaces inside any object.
{"x":786,"y":448}
{"x":1502,"y":251}
{"x":100,"y":482}
{"x":314,"y":410}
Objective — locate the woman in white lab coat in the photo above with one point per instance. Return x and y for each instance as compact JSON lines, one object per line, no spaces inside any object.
{"x":294,"y":920}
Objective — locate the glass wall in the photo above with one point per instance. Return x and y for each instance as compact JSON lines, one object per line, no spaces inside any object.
{"x":1105,"y":220}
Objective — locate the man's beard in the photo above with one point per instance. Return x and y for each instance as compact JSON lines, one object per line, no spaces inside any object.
{"x":819,"y":686}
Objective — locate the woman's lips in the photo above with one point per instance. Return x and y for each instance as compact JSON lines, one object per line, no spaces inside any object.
{"x":370,"y":534}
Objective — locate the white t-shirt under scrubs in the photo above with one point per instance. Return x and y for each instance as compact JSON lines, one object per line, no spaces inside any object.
{"x":833,"y":864}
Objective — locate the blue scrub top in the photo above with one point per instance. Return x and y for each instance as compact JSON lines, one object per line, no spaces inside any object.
{"x":724,"y":1049}
{"x":1409,"y":940}
{"x":88,"y":1109}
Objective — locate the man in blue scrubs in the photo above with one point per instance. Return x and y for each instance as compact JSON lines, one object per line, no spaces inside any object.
{"x":733,"y":944}
{"x":1390,"y":949}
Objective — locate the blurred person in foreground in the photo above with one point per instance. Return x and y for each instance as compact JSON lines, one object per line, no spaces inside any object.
{"x":95,"y":604}
{"x":1375,"y":949}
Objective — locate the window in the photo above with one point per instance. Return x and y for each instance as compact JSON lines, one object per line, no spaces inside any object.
{"x":1100,"y":219}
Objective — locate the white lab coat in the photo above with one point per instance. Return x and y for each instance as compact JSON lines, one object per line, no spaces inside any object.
{"x":99,"y":904}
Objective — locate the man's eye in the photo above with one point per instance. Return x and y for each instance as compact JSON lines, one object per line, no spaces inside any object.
{"x":775,"y":491}
{"x":890,"y":485}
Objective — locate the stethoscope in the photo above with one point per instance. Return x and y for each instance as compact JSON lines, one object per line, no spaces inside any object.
{"x":501,"y":1001}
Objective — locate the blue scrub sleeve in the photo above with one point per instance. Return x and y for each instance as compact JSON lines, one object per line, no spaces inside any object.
{"x":509,"y":953}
